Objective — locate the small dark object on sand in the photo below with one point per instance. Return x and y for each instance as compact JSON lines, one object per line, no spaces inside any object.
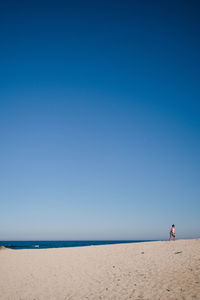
{"x":178,"y":252}
{"x":142,"y":252}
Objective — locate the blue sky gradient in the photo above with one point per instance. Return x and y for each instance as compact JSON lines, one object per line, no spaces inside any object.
{"x":99,"y":119}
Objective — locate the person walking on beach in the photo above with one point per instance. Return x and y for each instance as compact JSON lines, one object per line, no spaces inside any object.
{"x":172,"y":232}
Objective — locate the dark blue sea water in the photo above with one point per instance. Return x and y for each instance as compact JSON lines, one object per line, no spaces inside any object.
{"x":59,"y":244}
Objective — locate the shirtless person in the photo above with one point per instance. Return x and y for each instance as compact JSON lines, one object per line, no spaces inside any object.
{"x":172,"y":232}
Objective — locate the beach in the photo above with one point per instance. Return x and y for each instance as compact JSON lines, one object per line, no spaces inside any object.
{"x":149,"y":270}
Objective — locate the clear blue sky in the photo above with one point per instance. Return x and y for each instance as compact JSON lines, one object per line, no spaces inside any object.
{"x":99,"y":119}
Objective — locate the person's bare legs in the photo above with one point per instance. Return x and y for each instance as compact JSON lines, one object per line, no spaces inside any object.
{"x":170,"y":237}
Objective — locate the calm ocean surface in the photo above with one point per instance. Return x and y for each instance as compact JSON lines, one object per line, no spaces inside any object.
{"x":59,"y":244}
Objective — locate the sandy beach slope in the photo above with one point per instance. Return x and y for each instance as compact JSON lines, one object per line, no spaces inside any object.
{"x":153,"y":270}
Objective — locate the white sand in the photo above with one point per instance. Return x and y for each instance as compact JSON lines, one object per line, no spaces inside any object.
{"x":128,"y":271}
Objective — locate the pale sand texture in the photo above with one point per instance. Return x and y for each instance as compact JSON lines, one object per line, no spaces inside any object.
{"x":128,"y":271}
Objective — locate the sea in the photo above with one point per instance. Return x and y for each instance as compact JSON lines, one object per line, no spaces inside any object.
{"x":61,"y":244}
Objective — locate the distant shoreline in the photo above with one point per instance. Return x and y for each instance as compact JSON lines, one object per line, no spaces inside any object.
{"x":64,"y":244}
{"x":21,"y":245}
